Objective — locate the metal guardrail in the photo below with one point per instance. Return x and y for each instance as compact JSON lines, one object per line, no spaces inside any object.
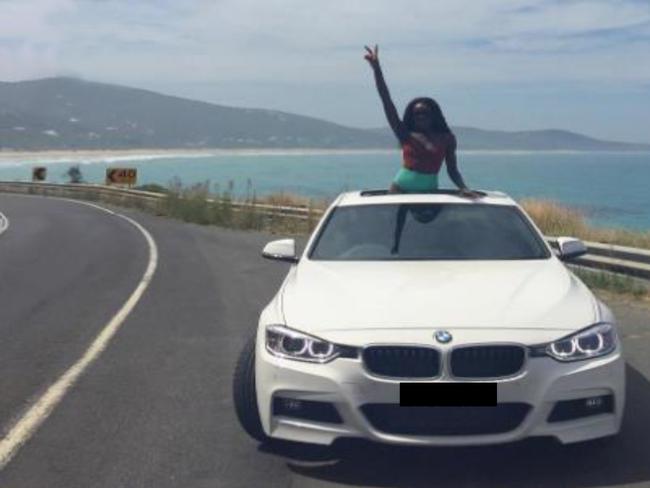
{"x":625,"y":260}
{"x":137,"y":198}
{"x":630,"y":261}
{"x":635,"y":264}
{"x":142,"y":199}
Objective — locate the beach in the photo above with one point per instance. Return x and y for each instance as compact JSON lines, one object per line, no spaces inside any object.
{"x":96,"y":155}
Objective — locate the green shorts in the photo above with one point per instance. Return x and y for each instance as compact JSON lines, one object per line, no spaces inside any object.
{"x":415,"y":182}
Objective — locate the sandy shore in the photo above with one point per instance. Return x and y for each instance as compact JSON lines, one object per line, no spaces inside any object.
{"x":128,"y":154}
{"x":111,"y":155}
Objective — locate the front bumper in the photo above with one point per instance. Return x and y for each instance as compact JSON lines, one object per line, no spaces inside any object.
{"x":346,"y":384}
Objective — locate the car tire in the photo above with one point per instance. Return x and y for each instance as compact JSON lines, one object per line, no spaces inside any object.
{"x":245,"y":395}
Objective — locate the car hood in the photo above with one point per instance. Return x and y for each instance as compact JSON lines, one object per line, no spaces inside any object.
{"x":327,"y":296}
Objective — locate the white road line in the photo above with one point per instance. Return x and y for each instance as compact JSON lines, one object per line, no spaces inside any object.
{"x":4,"y":223}
{"x":29,"y":423}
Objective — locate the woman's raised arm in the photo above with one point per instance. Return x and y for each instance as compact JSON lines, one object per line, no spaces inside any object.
{"x":372,"y":56}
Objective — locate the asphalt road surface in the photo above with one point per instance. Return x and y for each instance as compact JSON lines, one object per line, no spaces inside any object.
{"x":155,"y":408}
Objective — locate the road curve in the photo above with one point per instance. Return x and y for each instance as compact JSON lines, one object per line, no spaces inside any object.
{"x":4,"y":223}
{"x":18,"y":433}
{"x":155,"y":409}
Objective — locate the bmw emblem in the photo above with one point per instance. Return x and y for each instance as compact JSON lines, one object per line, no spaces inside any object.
{"x":443,"y":336}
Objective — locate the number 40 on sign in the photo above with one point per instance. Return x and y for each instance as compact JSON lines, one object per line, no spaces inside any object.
{"x":121,"y":176}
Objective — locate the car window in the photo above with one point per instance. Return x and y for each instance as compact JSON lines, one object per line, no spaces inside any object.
{"x":427,"y":231}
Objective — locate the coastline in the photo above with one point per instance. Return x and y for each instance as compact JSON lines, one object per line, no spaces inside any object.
{"x":100,"y":155}
{"x":115,"y":155}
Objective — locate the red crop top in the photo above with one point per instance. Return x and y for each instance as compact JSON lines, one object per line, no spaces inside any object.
{"x":424,"y":156}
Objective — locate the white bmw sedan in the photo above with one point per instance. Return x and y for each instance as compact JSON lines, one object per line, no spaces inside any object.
{"x":430,"y":319}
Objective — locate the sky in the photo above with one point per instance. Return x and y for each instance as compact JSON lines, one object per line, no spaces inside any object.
{"x":581,"y":65}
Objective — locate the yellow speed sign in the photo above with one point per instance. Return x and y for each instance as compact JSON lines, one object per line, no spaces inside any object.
{"x":121,"y":176}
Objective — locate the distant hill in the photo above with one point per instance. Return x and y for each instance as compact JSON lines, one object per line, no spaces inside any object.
{"x":68,"y":113}
{"x":471,"y":138}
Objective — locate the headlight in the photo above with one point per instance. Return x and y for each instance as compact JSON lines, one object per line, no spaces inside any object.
{"x":291,"y":344}
{"x":590,"y":343}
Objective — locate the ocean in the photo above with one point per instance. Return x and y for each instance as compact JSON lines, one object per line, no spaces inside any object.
{"x":611,"y":188}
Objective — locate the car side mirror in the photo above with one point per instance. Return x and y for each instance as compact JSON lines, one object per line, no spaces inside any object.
{"x":281,"y":250}
{"x":570,"y":248}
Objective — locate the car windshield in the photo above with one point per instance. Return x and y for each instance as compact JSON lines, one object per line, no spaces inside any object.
{"x":428,"y":232}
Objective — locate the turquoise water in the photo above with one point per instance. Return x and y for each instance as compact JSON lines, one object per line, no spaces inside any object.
{"x":613,"y":189}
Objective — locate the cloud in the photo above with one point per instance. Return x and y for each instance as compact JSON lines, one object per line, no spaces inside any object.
{"x":578,"y":17}
{"x":448,"y":40}
{"x":287,"y":53}
{"x":29,"y":38}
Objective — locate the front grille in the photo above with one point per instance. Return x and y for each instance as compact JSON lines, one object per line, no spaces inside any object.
{"x":486,"y":361}
{"x":445,"y":421}
{"x":402,"y":361}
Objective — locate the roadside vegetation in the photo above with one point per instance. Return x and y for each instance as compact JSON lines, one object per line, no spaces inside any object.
{"x":153,"y":188}
{"x":74,"y":174}
{"x":207,"y":204}
{"x":612,"y":282}
{"x":559,"y":220}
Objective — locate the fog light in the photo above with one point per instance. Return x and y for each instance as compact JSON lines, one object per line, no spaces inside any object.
{"x":583,"y":407}
{"x":291,"y":405}
{"x":594,"y":402}
{"x":306,"y":410}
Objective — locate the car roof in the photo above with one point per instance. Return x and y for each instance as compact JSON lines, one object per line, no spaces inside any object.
{"x":374,"y":197}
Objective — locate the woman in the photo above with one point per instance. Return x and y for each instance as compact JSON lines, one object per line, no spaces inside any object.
{"x":425,"y":138}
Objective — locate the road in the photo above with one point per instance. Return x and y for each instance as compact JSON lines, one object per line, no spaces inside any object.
{"x":155,"y":409}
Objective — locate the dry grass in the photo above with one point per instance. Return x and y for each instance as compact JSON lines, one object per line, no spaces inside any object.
{"x":612,"y":282}
{"x":283,"y":199}
{"x":559,"y":220}
{"x":555,"y":219}
{"x":202,"y":204}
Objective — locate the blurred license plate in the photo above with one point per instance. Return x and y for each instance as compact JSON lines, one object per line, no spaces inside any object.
{"x":447,"y":394}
